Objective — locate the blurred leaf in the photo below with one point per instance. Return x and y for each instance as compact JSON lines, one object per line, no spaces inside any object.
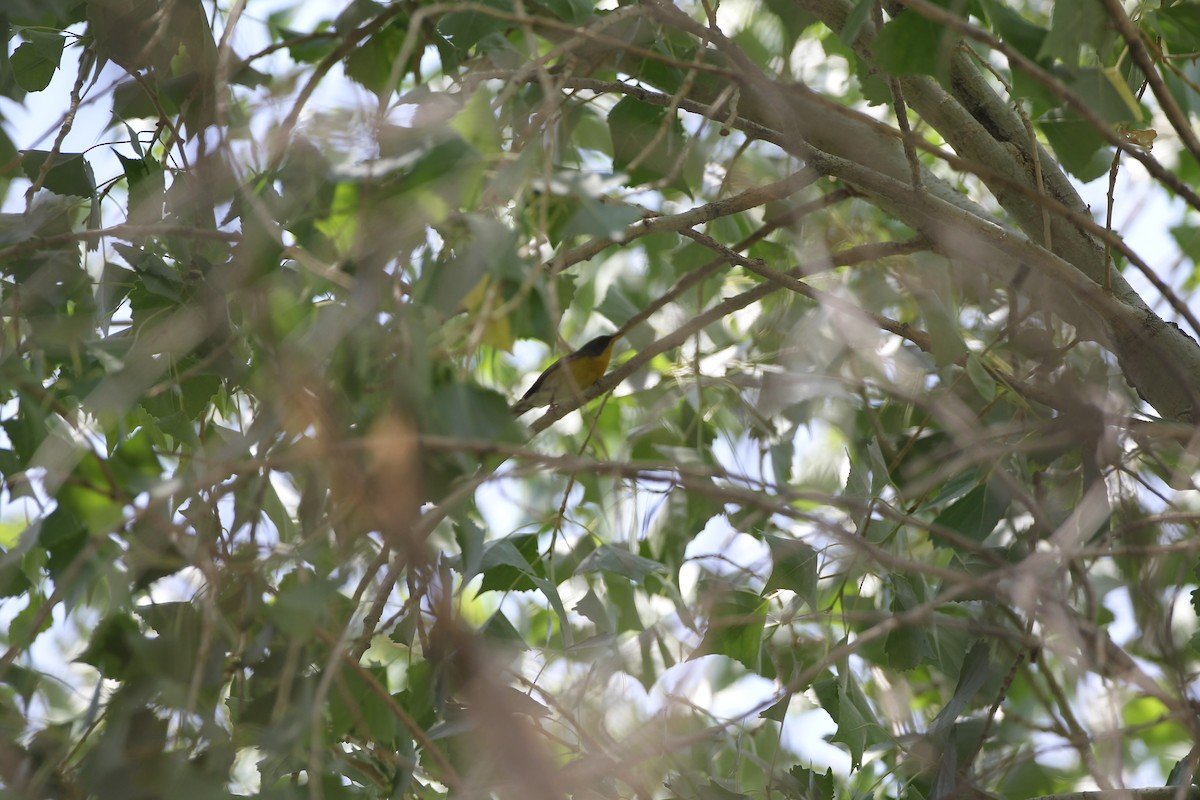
{"x":305,"y":602}
{"x":1027,"y":37}
{"x":111,"y":648}
{"x":36,"y":59}
{"x":907,"y":647}
{"x":622,"y":599}
{"x":794,"y":568}
{"x":372,"y":62}
{"x":984,"y":384}
{"x":647,"y":142}
{"x":155,"y":276}
{"x":483,"y":249}
{"x":30,"y":622}
{"x":1073,"y":25}
{"x":944,"y":333}
{"x":618,"y":561}
{"x":975,"y":514}
{"x":356,"y":706}
{"x":1178,"y":24}
{"x":574,"y":12}
{"x":978,"y":670}
{"x":88,"y":495}
{"x":911,"y":44}
{"x":466,"y":29}
{"x":500,"y":630}
{"x":476,"y":124}
{"x":147,"y":189}
{"x":857,"y":728}
{"x":1106,"y":94}
{"x":594,"y":218}
{"x":735,"y":626}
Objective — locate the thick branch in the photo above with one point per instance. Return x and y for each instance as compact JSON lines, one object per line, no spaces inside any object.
{"x":1158,"y":358}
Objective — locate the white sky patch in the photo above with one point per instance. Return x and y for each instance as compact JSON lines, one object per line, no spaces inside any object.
{"x":721,"y":550}
{"x":804,"y":733}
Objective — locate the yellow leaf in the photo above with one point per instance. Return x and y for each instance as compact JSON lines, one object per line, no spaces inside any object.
{"x":1143,"y":139}
{"x":497,"y":332}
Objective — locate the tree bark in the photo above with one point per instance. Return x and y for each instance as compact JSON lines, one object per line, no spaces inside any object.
{"x":1159,"y":360}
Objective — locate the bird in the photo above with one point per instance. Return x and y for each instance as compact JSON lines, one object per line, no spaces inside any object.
{"x":569,"y":376}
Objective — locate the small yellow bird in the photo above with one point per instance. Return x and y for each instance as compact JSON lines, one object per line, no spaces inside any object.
{"x":570,"y":376}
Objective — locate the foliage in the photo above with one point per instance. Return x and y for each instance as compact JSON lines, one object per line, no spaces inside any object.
{"x":889,"y":494}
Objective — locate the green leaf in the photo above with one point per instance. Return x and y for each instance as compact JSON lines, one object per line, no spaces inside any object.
{"x":13,"y":581}
{"x":34,"y":62}
{"x":881,"y":476}
{"x":1179,"y":26}
{"x":794,"y":567}
{"x":977,"y":671}
{"x":907,"y":647}
{"x":778,"y":712}
{"x":715,"y":791}
{"x":1100,"y":91}
{"x":27,"y":429}
{"x":622,"y":598}
{"x":371,"y":63}
{"x":485,"y":247}
{"x":130,"y":100}
{"x":156,"y":276}
{"x":1026,"y":37}
{"x":794,"y":18}
{"x":811,"y":784}
{"x":21,"y":630}
{"x":911,"y":44}
{"x":647,"y":142}
{"x":618,"y":561}
{"x":858,"y":480}
{"x":90,"y":495}
{"x":952,"y":489}
{"x":1079,"y":148}
{"x":855,"y":21}
{"x":304,"y":602}
{"x":1194,"y":639}
{"x":304,"y":48}
{"x":1183,"y":768}
{"x":498,"y":629}
{"x":465,"y":29}
{"x":134,"y":464}
{"x":277,"y":513}
{"x":550,"y":592}
{"x":983,"y":382}
{"x":735,"y":626}
{"x":506,"y":564}
{"x":1073,"y":25}
{"x":844,"y":701}
{"x":9,"y":162}
{"x":574,"y":12}
{"x":944,"y":333}
{"x":593,"y":608}
{"x":24,"y":681}
{"x":471,"y":412}
{"x":476,"y":124}
{"x":115,"y":284}
{"x":593,"y":218}
{"x":69,"y":174}
{"x":112,"y":646}
{"x":355,"y":706}
{"x":975,"y":514}
{"x":147,"y":189}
